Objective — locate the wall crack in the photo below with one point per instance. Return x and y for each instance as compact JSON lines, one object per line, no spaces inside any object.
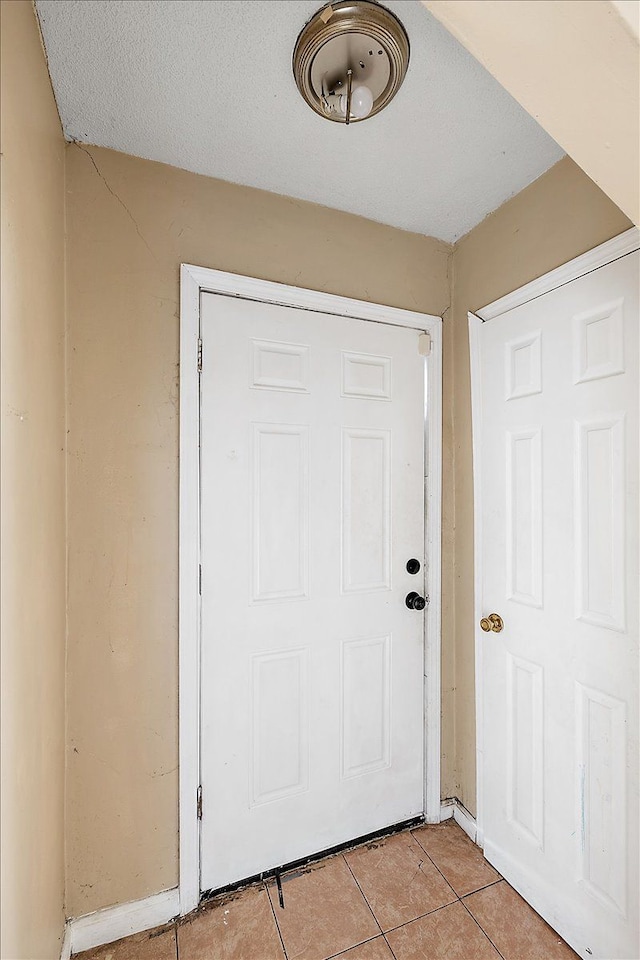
{"x":115,"y":195}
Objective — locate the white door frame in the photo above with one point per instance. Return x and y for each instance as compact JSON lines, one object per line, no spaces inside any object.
{"x":605,"y":253}
{"x":193,"y":282}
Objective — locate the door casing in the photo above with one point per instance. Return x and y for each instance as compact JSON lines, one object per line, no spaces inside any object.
{"x":194,"y":281}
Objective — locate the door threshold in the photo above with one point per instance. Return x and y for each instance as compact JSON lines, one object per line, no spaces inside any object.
{"x":313,"y":858}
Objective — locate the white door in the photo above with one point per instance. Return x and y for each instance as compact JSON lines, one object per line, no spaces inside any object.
{"x":312,"y":486}
{"x":558,"y":446}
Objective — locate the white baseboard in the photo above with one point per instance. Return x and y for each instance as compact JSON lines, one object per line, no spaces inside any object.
{"x":65,"y":951}
{"x":112,"y":923}
{"x":453,"y":808}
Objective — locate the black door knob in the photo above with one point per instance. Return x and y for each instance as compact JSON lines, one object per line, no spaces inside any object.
{"x":413,"y":566}
{"x":414,"y":601}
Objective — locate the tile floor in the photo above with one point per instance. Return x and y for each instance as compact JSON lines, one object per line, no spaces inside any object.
{"x":424,"y":894}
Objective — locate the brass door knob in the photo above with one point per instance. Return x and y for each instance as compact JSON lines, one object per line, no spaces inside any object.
{"x":493,"y":623}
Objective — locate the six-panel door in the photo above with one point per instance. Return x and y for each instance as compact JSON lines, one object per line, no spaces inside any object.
{"x":312,"y":475}
{"x":559,"y":450}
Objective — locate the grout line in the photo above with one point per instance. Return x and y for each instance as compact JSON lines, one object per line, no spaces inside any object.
{"x":427,"y":855}
{"x":275,"y":919}
{"x":389,"y":947}
{"x":361,"y":891}
{"x":360,"y":943}
{"x":429,"y":912}
{"x":485,"y":887}
{"x":175,"y":933}
{"x":383,"y":932}
{"x":422,"y":916}
{"x":459,"y":895}
{"x":480,"y":927}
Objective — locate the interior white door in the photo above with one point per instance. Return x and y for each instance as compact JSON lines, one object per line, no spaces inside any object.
{"x":558,"y":438}
{"x":312,"y":502}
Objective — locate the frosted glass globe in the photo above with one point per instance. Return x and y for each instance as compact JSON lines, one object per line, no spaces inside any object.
{"x":361,"y":101}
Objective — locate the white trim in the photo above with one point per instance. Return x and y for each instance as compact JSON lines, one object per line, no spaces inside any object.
{"x":65,"y":949}
{"x":454,"y":809}
{"x":433,"y":522}
{"x":236,"y":285}
{"x":194,"y":281}
{"x":475,"y":325}
{"x":613,"y":249}
{"x":113,"y":923}
{"x":189,"y":600}
{"x":446,"y":809}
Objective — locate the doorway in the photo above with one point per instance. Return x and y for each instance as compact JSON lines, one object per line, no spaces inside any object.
{"x":316,"y":464}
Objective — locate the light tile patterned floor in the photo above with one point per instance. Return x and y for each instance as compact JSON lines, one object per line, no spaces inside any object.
{"x":424,"y":894}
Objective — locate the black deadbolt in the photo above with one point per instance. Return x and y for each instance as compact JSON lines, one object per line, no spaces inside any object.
{"x":413,"y":566}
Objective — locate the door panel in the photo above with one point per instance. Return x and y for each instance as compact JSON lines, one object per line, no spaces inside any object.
{"x":559,"y":452}
{"x":312,"y":501}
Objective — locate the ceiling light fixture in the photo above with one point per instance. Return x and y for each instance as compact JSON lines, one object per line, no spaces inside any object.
{"x":350,"y":60}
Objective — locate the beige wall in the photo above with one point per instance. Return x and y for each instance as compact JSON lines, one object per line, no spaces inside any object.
{"x":560,"y":216}
{"x":574,"y":65}
{"x":131,"y":222}
{"x":33,"y":496}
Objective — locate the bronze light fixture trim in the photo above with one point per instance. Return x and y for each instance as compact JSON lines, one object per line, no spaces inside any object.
{"x":350,"y":60}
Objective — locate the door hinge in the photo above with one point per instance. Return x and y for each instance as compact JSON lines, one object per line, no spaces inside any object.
{"x":424,"y":344}
{"x":199,"y":355}
{"x":199,"y":802}
{"x":200,"y":579}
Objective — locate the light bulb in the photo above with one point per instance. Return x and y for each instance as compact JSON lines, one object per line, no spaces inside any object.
{"x":361,"y":102}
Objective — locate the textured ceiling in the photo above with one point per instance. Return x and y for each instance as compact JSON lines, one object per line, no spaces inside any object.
{"x":207,"y":85}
